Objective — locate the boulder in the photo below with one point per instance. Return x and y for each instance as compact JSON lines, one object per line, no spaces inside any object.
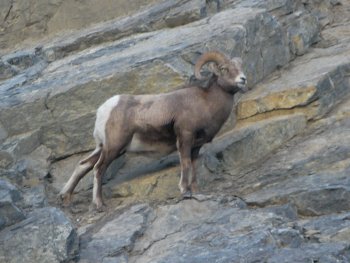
{"x":34,"y":197}
{"x":206,"y":229}
{"x":45,"y":236}
{"x":30,"y":21}
{"x":241,"y":148}
{"x":116,"y":237}
{"x":10,"y":213}
{"x":328,"y":228}
{"x":318,"y":80}
{"x":310,"y":171}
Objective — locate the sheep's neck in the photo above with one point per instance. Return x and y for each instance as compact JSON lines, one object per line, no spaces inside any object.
{"x":222,"y":102}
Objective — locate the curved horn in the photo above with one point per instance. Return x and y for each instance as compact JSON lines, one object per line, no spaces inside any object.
{"x":213,"y":56}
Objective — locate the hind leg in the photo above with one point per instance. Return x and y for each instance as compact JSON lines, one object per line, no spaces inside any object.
{"x":100,"y":168}
{"x":80,"y":171}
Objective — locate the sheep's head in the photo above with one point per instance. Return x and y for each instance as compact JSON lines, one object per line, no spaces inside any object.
{"x":229,"y":72}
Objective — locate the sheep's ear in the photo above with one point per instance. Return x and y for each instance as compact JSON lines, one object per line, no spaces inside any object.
{"x":213,"y":67}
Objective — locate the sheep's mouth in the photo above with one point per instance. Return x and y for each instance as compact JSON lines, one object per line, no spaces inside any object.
{"x":242,"y":85}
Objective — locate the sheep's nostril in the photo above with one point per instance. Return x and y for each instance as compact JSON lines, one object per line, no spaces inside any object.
{"x":243,"y":79}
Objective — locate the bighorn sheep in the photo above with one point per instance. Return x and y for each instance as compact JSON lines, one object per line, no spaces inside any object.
{"x":183,"y":119}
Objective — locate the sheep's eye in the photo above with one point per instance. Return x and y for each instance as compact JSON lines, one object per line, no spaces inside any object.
{"x":223,"y":70}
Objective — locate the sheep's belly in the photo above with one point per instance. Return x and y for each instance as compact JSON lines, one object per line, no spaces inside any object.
{"x":138,"y":146}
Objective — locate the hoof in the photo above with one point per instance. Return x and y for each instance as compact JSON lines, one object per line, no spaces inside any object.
{"x":194,"y":188}
{"x":187,"y":195}
{"x":99,"y":208}
{"x":64,"y":199}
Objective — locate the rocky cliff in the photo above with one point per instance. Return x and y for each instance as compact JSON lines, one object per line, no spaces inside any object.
{"x":275,"y":185}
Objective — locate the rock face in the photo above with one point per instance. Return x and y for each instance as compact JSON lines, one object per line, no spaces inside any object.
{"x":45,"y":236}
{"x":275,"y":188}
{"x":28,"y":20}
{"x":214,"y":229}
{"x":10,"y":213}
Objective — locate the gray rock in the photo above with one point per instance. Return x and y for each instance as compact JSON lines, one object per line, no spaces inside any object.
{"x":303,"y":31}
{"x":34,"y":197}
{"x":317,"y":80}
{"x":276,"y":7}
{"x":311,"y":174}
{"x":186,"y":13}
{"x":333,"y":228}
{"x":210,"y":230}
{"x":9,"y":192}
{"x":6,"y":159}
{"x":20,"y":23}
{"x":10,"y":214}
{"x":6,"y":70}
{"x":313,"y":195}
{"x":115,"y":237}
{"x":3,"y":133}
{"x":45,"y":236}
{"x":23,"y":144}
{"x":327,"y":252}
{"x":34,"y":166}
{"x":302,"y":26}
{"x":12,"y":175}
{"x":21,"y":59}
{"x":322,"y":10}
{"x":248,"y":145}
{"x":207,"y":231}
{"x":9,"y":198}
{"x":167,"y":13}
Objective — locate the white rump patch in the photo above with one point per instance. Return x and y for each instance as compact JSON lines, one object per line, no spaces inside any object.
{"x":102,"y":116}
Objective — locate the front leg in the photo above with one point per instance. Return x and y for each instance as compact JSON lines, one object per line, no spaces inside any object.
{"x":184,"y":145}
{"x":194,"y":158}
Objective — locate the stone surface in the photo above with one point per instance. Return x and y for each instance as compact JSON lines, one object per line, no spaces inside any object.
{"x":303,"y":30}
{"x":210,"y":229}
{"x":168,"y":13}
{"x":9,"y":211}
{"x":6,"y":159}
{"x":331,"y":252}
{"x":311,"y":172}
{"x":32,"y":20}
{"x":253,"y":143}
{"x":23,"y":144}
{"x":6,"y":71}
{"x":104,"y":243}
{"x":45,"y":236}
{"x":37,"y":163}
{"x":158,"y":186}
{"x":319,"y":79}
{"x":34,"y":197}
